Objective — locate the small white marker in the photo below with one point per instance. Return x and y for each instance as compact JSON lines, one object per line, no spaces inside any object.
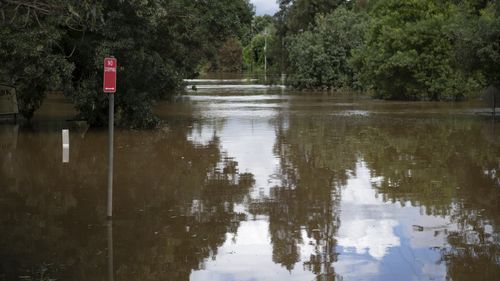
{"x":65,"y":146}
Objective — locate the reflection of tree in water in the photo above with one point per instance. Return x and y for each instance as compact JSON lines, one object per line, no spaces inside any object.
{"x":475,"y":252}
{"x":173,"y":206}
{"x":312,"y":169}
{"x":448,"y":167}
{"x":174,"y":199}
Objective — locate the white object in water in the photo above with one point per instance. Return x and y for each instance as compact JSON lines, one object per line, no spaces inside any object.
{"x":65,"y":146}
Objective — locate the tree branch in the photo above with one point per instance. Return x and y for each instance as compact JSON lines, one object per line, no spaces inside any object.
{"x":37,"y":20}
{"x":27,"y":17}
{"x":15,"y":14}
{"x":41,"y":7}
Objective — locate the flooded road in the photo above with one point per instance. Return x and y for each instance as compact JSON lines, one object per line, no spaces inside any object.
{"x":256,"y":184}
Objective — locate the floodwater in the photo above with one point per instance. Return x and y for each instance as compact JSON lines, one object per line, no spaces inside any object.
{"x":256,"y":184}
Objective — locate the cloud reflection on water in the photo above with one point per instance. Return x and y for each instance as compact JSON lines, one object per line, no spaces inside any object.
{"x":377,"y":240}
{"x":366,"y":226}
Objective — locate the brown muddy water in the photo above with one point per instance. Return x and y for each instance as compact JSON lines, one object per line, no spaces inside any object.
{"x":255,"y":184}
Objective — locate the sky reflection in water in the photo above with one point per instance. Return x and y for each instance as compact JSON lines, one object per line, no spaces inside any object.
{"x":259,"y":187}
{"x":377,"y":239}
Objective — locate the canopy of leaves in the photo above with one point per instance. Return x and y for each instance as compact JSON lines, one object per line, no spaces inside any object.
{"x":408,"y":53}
{"x":60,"y":45}
{"x":319,"y":57}
{"x":229,"y":56}
{"x":406,"y":50}
{"x":264,"y":45}
{"x":297,"y":15}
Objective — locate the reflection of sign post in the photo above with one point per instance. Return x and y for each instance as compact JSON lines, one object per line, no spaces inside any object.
{"x":8,"y":101}
{"x":8,"y":144}
{"x":109,"y":86}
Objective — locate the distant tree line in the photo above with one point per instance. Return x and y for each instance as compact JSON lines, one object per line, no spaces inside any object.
{"x":60,"y":45}
{"x":396,"y":49}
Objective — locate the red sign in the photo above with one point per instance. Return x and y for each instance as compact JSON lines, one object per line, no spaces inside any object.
{"x":109,"y":85}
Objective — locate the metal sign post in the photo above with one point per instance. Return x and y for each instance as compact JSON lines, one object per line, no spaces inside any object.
{"x":265,"y":54}
{"x":109,"y":86}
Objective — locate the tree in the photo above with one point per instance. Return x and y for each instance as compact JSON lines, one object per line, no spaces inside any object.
{"x":260,"y":23}
{"x":475,"y":31}
{"x":264,"y":28}
{"x":319,"y":57}
{"x":296,"y":15}
{"x":407,"y":50}
{"x":157,"y":43}
{"x":230,"y":56}
{"x":407,"y":53}
{"x":32,"y":58}
{"x":255,"y":52}
{"x":488,"y":30}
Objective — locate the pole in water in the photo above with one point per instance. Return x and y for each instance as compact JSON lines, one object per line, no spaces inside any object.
{"x":265,"y":54}
{"x":110,"y":250}
{"x":110,"y":155}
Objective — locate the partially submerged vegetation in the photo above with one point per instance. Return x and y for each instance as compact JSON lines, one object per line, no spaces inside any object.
{"x":60,"y":45}
{"x":395,"y":49}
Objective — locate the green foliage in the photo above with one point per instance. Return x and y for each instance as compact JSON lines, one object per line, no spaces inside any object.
{"x":136,"y":34}
{"x":157,"y":43}
{"x":255,"y":52}
{"x":407,"y":50}
{"x":60,"y":45}
{"x":319,"y":57}
{"x":297,"y":15}
{"x":260,"y":23}
{"x":407,"y":53}
{"x":476,"y":37}
{"x":488,"y":30}
{"x":30,"y":55}
{"x":230,"y":56}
